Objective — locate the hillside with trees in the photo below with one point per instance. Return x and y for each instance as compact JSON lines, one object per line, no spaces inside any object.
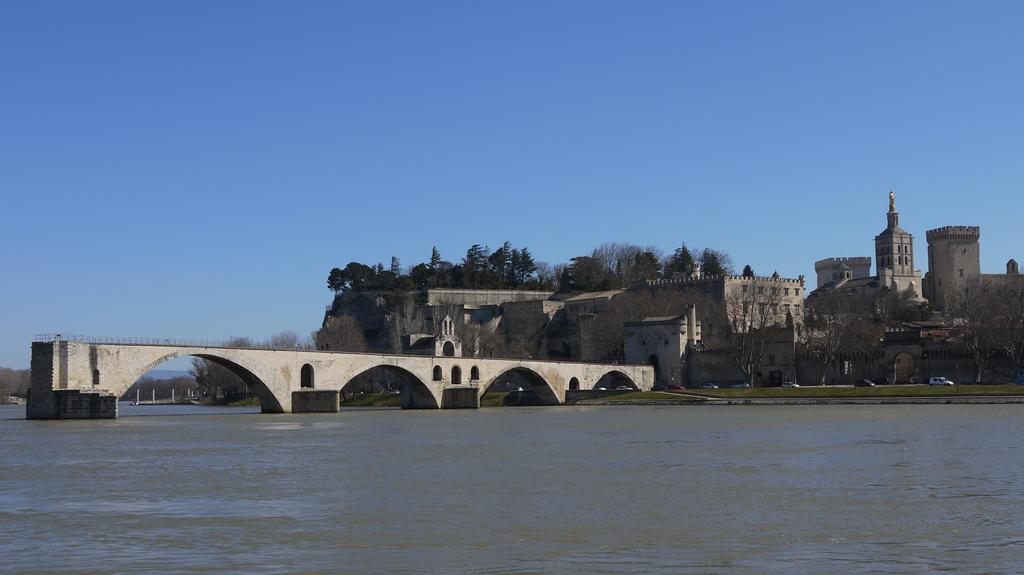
{"x":608,"y":266}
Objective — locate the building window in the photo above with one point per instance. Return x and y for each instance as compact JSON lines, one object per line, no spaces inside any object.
{"x":785,"y":291}
{"x":961,"y":273}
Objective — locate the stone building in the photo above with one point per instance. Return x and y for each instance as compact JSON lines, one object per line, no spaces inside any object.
{"x":834,"y":270}
{"x":894,"y":264}
{"x":720,"y":289}
{"x":954,"y":255}
{"x":674,"y":346}
{"x":664,"y":343}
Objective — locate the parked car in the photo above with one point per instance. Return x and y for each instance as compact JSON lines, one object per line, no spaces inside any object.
{"x":710,"y":386}
{"x":939,"y":380}
{"x":658,"y":388}
{"x":675,"y":388}
{"x":624,"y":387}
{"x":880,"y":380}
{"x":740,"y":385}
{"x":864,"y":383}
{"x":790,"y":384}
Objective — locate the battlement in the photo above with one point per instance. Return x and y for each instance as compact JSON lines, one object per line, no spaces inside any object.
{"x":855,"y":261}
{"x":969,"y":233}
{"x":695,"y":281}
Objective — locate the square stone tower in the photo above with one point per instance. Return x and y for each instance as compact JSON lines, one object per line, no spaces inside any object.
{"x":954,"y":254}
{"x":894,"y":255}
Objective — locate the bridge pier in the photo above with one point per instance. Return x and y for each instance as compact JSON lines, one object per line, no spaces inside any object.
{"x":315,"y":401}
{"x":460,"y":398}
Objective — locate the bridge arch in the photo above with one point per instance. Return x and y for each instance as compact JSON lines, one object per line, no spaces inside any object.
{"x":543,"y":389}
{"x":415,"y":393}
{"x":245,"y":369}
{"x":613,"y":379}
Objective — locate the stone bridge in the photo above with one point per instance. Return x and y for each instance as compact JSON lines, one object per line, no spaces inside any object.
{"x":74,"y":378}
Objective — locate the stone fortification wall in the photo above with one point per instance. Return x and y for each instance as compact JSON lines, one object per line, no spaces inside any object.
{"x":478,"y":297}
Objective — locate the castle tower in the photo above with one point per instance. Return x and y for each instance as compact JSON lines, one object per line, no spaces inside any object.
{"x":894,"y":254}
{"x":1012,"y":269}
{"x":953,"y":254}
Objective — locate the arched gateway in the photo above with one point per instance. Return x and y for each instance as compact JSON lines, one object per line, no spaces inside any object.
{"x":82,"y":378}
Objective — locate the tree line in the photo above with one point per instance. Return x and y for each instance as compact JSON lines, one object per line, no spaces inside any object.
{"x":608,"y":266}
{"x":14,"y":382}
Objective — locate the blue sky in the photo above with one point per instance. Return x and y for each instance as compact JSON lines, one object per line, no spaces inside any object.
{"x":194,"y":169}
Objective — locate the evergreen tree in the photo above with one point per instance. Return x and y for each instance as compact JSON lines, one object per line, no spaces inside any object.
{"x":645,"y":266}
{"x":681,"y":262}
{"x":473,"y":266}
{"x":336,"y":280}
{"x":527,"y":266}
{"x":711,"y":264}
{"x":435,"y":258}
{"x":748,"y":272}
{"x":396,"y":266}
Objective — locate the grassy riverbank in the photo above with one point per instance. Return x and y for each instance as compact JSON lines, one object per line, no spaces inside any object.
{"x":842,"y":392}
{"x":247,"y":402}
{"x":373,"y":400}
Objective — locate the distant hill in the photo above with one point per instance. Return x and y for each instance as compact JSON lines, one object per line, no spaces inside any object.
{"x":166,"y":373}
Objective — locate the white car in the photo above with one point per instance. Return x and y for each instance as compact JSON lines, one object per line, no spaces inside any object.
{"x":939,"y":380}
{"x":709,"y":386}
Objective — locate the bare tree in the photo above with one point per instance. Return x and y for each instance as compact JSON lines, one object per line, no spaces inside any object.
{"x":1009,"y":299}
{"x":406,"y":320}
{"x":975,"y":308}
{"x":14,"y":382}
{"x":753,"y":313}
{"x":341,"y":333}
{"x":285,"y":340}
{"x":217,"y":381}
{"x":838,"y":323}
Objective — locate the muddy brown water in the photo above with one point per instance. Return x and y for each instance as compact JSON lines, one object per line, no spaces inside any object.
{"x":707,"y":489}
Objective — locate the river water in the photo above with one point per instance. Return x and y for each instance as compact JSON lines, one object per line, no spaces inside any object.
{"x":723,"y":489}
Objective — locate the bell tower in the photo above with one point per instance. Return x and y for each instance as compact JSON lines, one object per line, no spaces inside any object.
{"x":894,"y":247}
{"x":894,"y":254}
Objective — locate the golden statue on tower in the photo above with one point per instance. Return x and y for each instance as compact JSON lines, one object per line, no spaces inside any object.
{"x":892,"y":201}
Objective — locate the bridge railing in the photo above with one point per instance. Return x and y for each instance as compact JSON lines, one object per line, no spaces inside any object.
{"x":55,"y":337}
